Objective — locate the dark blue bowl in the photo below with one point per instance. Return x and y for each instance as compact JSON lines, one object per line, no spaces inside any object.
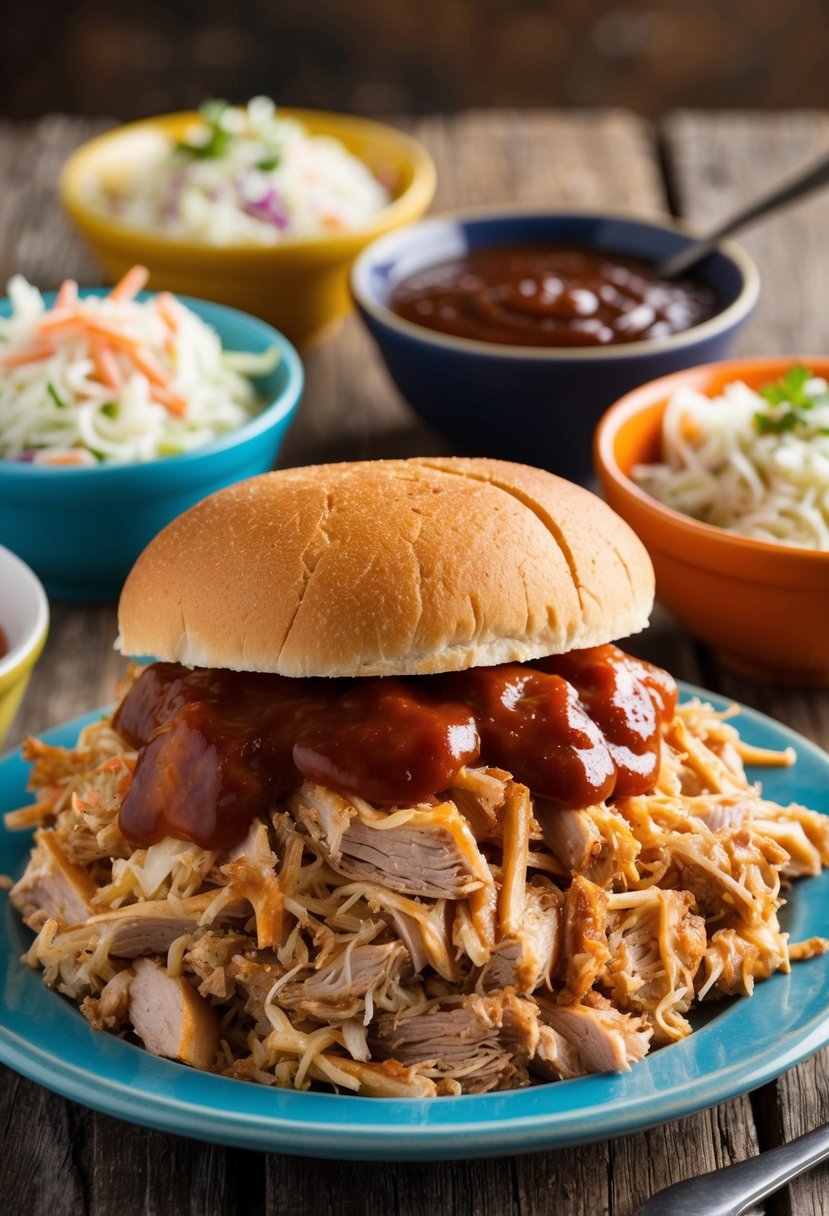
{"x":539,"y":405}
{"x":81,"y":529}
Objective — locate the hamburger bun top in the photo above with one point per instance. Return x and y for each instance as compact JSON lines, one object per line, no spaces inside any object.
{"x":393,"y":567}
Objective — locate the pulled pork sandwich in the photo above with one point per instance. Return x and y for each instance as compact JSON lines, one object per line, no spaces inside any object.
{"x":390,"y":813}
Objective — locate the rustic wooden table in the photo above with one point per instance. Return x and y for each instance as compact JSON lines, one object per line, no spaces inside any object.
{"x":59,"y":1159}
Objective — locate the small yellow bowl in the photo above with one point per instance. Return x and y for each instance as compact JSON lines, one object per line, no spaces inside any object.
{"x":762,"y":606}
{"x":299,"y":285}
{"x":24,"y":620}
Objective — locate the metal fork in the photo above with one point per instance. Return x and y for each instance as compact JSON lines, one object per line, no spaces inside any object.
{"x":736,"y":1188}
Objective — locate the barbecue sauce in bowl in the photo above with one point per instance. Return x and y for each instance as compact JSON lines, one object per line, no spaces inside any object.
{"x":550,"y":295}
{"x":219,"y":747}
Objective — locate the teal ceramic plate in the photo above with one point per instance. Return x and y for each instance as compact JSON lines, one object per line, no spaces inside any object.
{"x":743,"y":1044}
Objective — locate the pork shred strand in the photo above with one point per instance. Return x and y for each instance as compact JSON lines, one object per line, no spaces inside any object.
{"x":486,"y":941}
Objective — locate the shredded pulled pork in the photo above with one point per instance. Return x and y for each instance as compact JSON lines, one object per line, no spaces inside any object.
{"x":485,"y":942}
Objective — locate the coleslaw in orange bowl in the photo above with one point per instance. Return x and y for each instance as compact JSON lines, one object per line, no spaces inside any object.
{"x":759,"y":599}
{"x":754,"y":461}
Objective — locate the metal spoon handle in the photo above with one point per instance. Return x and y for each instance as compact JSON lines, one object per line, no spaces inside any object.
{"x":803,"y":183}
{"x":736,"y":1188}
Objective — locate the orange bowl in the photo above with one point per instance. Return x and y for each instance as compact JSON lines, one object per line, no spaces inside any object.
{"x":763,"y":607}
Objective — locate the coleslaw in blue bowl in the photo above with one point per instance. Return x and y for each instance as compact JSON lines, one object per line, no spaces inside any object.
{"x":80,"y":523}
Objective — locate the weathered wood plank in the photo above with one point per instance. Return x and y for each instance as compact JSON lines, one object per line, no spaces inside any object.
{"x":40,"y":1169}
{"x":718,"y":162}
{"x":146,"y":1173}
{"x":38,"y":239}
{"x":338,"y":1188}
{"x":581,"y":159}
{"x":59,"y":1159}
{"x":803,"y":1104}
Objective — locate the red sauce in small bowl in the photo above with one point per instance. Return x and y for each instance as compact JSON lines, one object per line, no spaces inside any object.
{"x":4,"y":644}
{"x":551,"y":295}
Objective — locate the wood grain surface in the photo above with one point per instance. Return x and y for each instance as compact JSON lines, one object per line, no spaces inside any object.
{"x":57,"y":1158}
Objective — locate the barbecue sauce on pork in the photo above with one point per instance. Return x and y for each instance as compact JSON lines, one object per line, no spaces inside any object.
{"x":218,"y":747}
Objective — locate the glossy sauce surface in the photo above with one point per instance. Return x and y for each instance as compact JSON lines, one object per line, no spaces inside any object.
{"x":550,"y":295}
{"x":219,"y":747}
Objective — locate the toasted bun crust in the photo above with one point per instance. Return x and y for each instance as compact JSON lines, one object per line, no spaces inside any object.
{"x":398,"y":567}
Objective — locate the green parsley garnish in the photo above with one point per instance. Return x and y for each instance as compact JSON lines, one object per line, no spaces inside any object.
{"x":269,"y":162}
{"x":218,"y":138}
{"x":110,"y":409}
{"x":53,"y":393}
{"x":789,"y":389}
{"x":789,"y":403}
{"x":768,"y":425}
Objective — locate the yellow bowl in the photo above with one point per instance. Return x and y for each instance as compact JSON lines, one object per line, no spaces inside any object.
{"x":762,"y":606}
{"x":299,"y":285}
{"x":24,"y":620}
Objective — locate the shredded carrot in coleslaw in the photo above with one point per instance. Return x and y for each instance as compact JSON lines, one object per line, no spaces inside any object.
{"x":115,"y":378}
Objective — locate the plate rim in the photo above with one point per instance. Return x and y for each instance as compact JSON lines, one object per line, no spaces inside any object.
{"x":467,"y":1126}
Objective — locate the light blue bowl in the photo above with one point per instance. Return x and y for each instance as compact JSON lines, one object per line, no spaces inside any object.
{"x":81,"y":529}
{"x":538,"y":405}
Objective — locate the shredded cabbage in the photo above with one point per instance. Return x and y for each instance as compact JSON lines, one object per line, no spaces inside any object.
{"x":754,"y":463}
{"x":244,"y":174}
{"x":116,"y":380}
